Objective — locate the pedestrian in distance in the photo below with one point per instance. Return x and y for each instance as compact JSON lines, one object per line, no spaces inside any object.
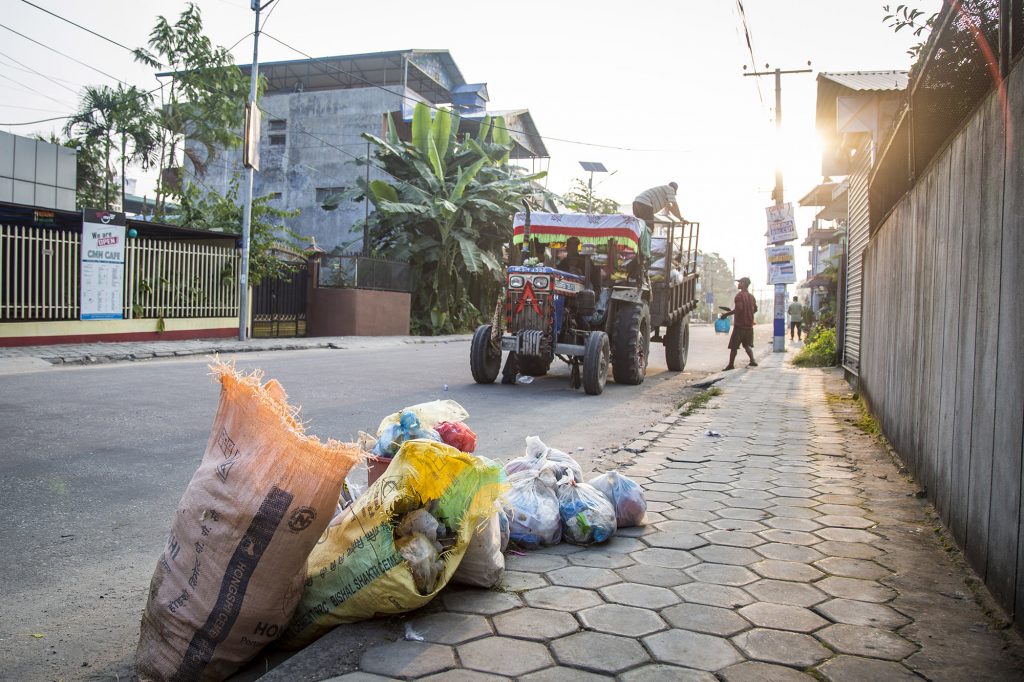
{"x":796,"y":319}
{"x":744,"y":307}
{"x":654,"y":200}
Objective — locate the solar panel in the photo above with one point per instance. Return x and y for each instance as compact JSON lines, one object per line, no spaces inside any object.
{"x":593,"y":166}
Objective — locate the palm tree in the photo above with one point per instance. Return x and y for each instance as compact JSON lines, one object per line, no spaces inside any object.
{"x":92,"y":123}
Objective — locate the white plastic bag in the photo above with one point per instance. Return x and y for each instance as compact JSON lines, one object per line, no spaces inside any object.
{"x":626,"y":495}
{"x":534,"y":521}
{"x":536,"y":449}
{"x":483,"y":564}
{"x":428,"y":414}
{"x":587,"y":516}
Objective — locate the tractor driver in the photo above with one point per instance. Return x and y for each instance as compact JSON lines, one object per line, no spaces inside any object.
{"x":576,"y":263}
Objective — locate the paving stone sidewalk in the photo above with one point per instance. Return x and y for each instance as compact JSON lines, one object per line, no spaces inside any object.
{"x":786,"y":549}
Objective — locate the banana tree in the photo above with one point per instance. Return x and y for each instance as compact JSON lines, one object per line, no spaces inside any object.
{"x":446,"y":208}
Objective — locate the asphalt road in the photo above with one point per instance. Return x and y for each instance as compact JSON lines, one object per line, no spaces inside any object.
{"x":95,"y":460}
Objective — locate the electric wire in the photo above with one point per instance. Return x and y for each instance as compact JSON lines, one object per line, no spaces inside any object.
{"x":30,"y":88}
{"x":87,"y":30}
{"x":750,"y":47}
{"x":53,"y":49}
{"x":38,"y":73}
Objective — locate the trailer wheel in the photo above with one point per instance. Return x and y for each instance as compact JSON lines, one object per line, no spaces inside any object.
{"x":595,"y":363}
{"x":484,"y":357}
{"x":677,"y":344}
{"x":632,"y":344}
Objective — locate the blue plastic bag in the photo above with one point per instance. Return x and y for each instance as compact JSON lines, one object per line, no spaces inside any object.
{"x":722,"y":325}
{"x":587,"y":515}
{"x":407,"y":428}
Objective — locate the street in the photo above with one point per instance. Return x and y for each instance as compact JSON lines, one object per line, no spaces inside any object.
{"x":96,"y":458}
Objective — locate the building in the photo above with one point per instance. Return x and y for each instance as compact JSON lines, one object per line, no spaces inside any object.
{"x":315,"y":112}
{"x":37,"y":173}
{"x":826,"y":237}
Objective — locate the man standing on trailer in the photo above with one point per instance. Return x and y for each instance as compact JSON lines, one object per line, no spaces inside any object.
{"x":654,"y":200}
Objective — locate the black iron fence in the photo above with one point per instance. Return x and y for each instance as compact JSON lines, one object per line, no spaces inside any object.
{"x":356,"y":271}
{"x":968,"y":54}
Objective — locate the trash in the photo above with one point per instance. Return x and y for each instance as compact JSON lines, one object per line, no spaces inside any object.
{"x":722,"y":325}
{"x":358,"y":569}
{"x":429,"y":414}
{"x":446,"y":387}
{"x":411,"y":635}
{"x":524,"y":379}
{"x":483,"y":564}
{"x":408,"y":427}
{"x":522,"y":464}
{"x":231,"y":572}
{"x":712,"y":434}
{"x":626,"y":495}
{"x":38,"y":635}
{"x":534,"y":520}
{"x":536,"y":448}
{"x":587,"y":516}
{"x":456,"y":434}
{"x":422,"y":553}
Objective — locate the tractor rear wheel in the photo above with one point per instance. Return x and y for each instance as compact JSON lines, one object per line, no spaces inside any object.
{"x":677,"y":344}
{"x":632,"y":344}
{"x":484,"y":356}
{"x":595,"y":363}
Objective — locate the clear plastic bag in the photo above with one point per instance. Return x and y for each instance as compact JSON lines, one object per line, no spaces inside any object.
{"x":483,"y":564}
{"x":534,"y":520}
{"x":408,"y":427}
{"x":587,"y":516}
{"x":428,"y":414}
{"x":626,"y":495}
{"x":537,"y":450}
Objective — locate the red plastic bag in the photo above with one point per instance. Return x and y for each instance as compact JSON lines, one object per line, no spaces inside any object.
{"x":457,"y":434}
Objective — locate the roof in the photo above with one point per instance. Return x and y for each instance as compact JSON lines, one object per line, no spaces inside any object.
{"x":521,"y":128}
{"x":874,"y":81}
{"x":20,"y":214}
{"x":820,"y":195}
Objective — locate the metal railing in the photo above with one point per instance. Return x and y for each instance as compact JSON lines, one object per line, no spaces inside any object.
{"x":363,"y":272}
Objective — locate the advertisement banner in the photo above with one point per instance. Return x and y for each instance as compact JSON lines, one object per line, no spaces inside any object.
{"x":781,"y":264}
{"x":102,"y":291}
{"x":781,"y":224}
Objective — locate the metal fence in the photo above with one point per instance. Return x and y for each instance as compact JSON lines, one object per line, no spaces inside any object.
{"x":40,"y":275}
{"x":969,"y":52}
{"x":356,"y":271}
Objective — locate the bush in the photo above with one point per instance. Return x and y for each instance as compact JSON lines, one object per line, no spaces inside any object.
{"x":820,"y":349}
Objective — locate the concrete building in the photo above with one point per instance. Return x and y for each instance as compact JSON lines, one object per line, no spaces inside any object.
{"x":826,"y":237}
{"x":37,"y":173}
{"x":315,"y":111}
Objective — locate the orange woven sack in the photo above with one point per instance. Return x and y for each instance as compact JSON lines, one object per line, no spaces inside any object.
{"x":231,"y":573}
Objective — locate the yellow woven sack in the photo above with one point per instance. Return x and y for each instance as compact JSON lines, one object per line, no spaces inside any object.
{"x":355,"y":572}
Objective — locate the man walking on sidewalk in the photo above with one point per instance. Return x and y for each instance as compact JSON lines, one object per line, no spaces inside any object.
{"x":744,"y":307}
{"x":796,"y":319}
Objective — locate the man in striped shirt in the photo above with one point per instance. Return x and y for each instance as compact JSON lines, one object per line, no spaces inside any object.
{"x":655,"y":200}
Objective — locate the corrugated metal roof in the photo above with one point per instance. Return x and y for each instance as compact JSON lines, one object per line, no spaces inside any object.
{"x":868,"y":80}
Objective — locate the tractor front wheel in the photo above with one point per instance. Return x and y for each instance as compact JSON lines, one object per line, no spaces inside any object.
{"x":484,"y":356}
{"x":632,"y":344}
{"x":595,"y":363}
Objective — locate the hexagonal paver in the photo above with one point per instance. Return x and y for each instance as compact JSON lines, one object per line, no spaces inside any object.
{"x":484,"y":602}
{"x":777,"y":646}
{"x":562,"y":673}
{"x":537,"y":624}
{"x":723,"y":554}
{"x":583,"y":576}
{"x":666,"y":558}
{"x":692,"y":649}
{"x":846,"y":535}
{"x":450,"y":628}
{"x":714,"y":595}
{"x":407,"y":659}
{"x":792,"y":511}
{"x":753,"y":671}
{"x":782,"y":552}
{"x":733,"y":538}
{"x":721,"y":574}
{"x":683,"y":526}
{"x":853,"y":568}
{"x":597,"y":557}
{"x":854,"y":588}
{"x":841,"y":509}
{"x":616,"y":619}
{"x":660,"y":672}
{"x":855,"y":669}
{"x":860,"y":640}
{"x":853,"y":612}
{"x":782,"y":617}
{"x":619,"y":544}
{"x":850,"y":550}
{"x":653,"y":575}
{"x":786,"y":570}
{"x":845,"y":521}
{"x":534,"y":562}
{"x":786,"y":592}
{"x":744,"y":525}
{"x":674,"y":540}
{"x":690,"y":515}
{"x":790,"y":537}
{"x":642,"y":596}
{"x":462,"y":675}
{"x":569,"y":599}
{"x":517,"y":581}
{"x":599,"y":652}
{"x":788,"y":523}
{"x":743,"y":513}
{"x":504,"y":656}
{"x":701,"y":618}
{"x":790,"y":491}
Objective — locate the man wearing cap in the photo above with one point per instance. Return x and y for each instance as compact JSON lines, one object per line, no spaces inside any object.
{"x":744,"y":307}
{"x":655,"y":200}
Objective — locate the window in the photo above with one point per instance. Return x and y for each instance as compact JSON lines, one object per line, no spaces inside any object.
{"x":278,"y":127}
{"x":275,"y":196}
{"x":323,"y":192}
{"x":277,"y":140}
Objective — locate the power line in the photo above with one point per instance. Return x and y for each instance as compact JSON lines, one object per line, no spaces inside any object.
{"x":41,"y":94}
{"x":87,"y":30}
{"x":31,"y":70}
{"x":750,"y":45}
{"x":53,"y":49}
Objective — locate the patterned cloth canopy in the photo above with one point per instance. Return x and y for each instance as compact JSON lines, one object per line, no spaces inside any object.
{"x":588,"y":228}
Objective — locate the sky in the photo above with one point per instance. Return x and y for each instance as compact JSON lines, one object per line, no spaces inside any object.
{"x":653,"y":89}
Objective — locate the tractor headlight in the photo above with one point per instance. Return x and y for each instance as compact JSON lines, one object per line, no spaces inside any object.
{"x":541,"y":282}
{"x":515,"y":282}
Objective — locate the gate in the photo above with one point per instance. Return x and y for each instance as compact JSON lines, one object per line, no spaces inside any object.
{"x":279,"y":305}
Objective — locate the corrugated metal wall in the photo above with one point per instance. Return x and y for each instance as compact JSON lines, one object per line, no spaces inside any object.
{"x":942,"y":327}
{"x":858,"y":225}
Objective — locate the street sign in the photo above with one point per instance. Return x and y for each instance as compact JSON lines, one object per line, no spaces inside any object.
{"x":102,"y":289}
{"x":781,"y":264}
{"x":781,"y":224}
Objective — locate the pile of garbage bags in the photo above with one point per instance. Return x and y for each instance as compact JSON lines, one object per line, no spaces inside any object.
{"x":280,"y":537}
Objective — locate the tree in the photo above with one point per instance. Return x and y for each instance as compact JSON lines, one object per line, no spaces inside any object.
{"x":717,"y":277}
{"x":447,"y":210}
{"x":203,"y":103}
{"x":89,"y":171}
{"x":579,"y":199}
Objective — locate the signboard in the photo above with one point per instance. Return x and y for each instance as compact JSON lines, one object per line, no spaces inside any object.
{"x":781,"y":264}
{"x":102,"y":265}
{"x":781,"y":224}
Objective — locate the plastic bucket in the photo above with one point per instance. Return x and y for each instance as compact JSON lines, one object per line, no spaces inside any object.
{"x":376,"y":466}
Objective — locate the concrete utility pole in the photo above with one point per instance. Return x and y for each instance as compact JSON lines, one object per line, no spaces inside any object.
{"x":250,"y":169}
{"x":779,"y":331}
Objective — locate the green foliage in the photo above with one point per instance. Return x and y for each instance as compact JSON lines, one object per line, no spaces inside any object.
{"x":447,"y":209}
{"x":268,"y":239}
{"x":820,"y":349}
{"x":715,"y":275}
{"x":579,"y":199}
{"x":905,"y":16}
{"x":688,"y":407}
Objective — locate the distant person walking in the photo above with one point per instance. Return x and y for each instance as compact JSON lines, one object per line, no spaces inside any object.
{"x":655,"y":200}
{"x":796,"y":319}
{"x":744,"y":307}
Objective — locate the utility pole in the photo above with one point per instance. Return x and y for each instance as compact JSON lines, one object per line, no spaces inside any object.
{"x":251,"y":143}
{"x":779,"y":329}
